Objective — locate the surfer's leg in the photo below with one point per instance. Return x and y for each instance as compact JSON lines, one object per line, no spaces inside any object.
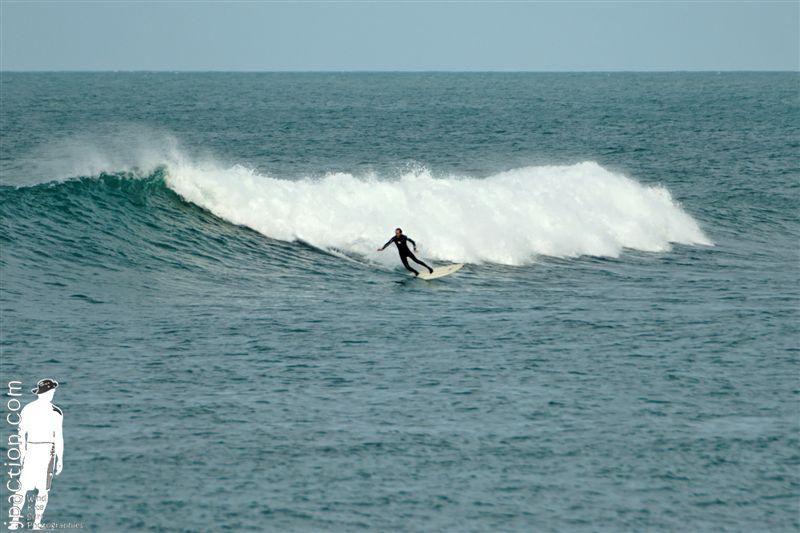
{"x":38,"y":512}
{"x":404,"y":259}
{"x":414,"y":257}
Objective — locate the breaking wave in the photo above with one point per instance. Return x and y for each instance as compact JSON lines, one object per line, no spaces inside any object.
{"x":508,"y":218}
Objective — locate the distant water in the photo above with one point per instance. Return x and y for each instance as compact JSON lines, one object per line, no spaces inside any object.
{"x":192,"y":256}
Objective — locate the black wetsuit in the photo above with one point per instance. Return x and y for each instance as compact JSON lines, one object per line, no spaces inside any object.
{"x":405,"y":253}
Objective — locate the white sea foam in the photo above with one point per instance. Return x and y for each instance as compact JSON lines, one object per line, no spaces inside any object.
{"x":508,"y":218}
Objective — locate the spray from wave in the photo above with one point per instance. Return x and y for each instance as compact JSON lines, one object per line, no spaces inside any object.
{"x":106,"y":149}
{"x":509,"y":218}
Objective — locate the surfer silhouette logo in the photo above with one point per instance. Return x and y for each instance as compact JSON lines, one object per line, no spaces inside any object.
{"x":41,"y":445}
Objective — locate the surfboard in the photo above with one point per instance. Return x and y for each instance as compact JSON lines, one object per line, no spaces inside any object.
{"x":440,"y":272}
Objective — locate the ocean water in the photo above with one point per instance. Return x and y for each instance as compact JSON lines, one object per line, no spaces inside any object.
{"x":192,"y":256}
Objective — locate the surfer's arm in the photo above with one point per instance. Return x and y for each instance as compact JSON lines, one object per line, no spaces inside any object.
{"x":59,"y":443}
{"x":409,"y":239}
{"x":382,"y":248}
{"x":23,"y":444}
{"x":22,"y":431}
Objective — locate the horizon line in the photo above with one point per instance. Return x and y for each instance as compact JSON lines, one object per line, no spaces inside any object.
{"x":388,"y":71}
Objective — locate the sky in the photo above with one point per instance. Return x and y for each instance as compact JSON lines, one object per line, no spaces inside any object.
{"x":452,"y":36}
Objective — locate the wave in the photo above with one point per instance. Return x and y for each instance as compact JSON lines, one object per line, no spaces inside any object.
{"x":509,"y":218}
{"x":131,"y":221}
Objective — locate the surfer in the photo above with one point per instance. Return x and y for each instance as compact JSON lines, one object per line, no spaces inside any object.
{"x":401,"y":241}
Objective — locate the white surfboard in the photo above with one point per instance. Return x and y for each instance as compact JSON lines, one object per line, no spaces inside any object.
{"x":439,"y":272}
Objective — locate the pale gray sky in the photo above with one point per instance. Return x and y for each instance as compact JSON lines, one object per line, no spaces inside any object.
{"x":400,"y":36}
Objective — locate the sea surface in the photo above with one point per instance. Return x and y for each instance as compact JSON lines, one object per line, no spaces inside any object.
{"x":192,"y":256}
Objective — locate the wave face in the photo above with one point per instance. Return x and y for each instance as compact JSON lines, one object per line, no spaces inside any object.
{"x":508,"y":218}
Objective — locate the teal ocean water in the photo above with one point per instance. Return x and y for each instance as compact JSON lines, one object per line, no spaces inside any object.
{"x":192,"y":257}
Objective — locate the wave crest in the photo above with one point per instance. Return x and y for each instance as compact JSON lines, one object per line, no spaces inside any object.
{"x":507,"y":218}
